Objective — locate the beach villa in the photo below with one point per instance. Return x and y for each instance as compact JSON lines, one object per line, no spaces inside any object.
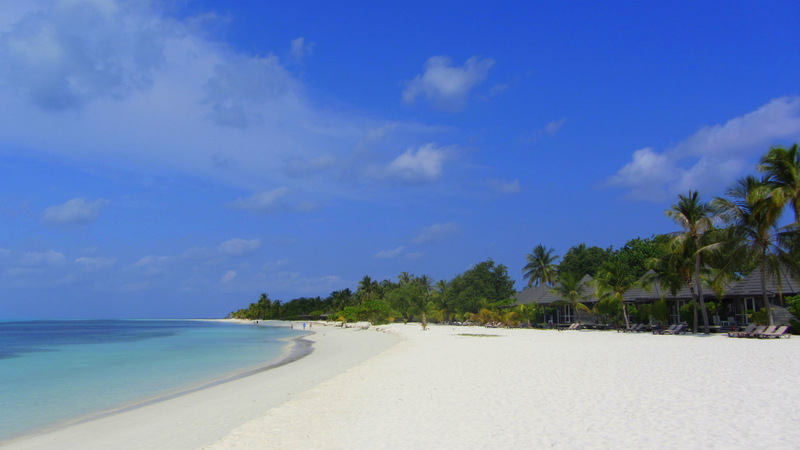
{"x":740,"y":298}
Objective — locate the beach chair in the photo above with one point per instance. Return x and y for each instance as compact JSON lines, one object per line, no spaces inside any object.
{"x":748,"y":329}
{"x":759,"y":329}
{"x":782,"y":331}
{"x":667,"y":331}
{"x":768,"y":330}
{"x":677,"y":330}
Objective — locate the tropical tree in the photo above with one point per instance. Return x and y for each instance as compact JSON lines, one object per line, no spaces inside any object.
{"x":571,"y":290}
{"x":695,"y":219}
{"x":527,"y":313}
{"x":613,"y":280}
{"x":366,"y":289}
{"x":782,"y":169}
{"x":753,"y":213}
{"x":582,"y":260}
{"x":541,"y":266}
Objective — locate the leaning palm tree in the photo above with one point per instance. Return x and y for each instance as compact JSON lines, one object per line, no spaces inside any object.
{"x":612,"y":282}
{"x":541,"y":267}
{"x":695,"y":219}
{"x":570,"y":288}
{"x":753,"y":213}
{"x":782,"y":169}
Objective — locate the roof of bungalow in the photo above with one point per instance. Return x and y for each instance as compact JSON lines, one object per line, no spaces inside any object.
{"x":541,"y":294}
{"x":750,"y":286}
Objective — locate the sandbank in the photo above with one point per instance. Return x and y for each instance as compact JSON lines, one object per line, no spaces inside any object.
{"x":197,"y":417}
{"x":471,"y":387}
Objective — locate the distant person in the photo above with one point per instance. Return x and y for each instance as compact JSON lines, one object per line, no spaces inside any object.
{"x":291,"y":325}
{"x":304,"y":326}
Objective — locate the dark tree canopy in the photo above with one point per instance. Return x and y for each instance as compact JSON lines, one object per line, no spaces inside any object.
{"x":482,"y":285}
{"x":580,"y":260}
{"x":637,"y":251}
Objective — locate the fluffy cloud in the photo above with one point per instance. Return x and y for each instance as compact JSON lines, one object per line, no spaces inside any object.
{"x":436,"y":232}
{"x":420,"y":166}
{"x":713,"y":157}
{"x":129,"y":84}
{"x":388,"y":254}
{"x":238,"y":247}
{"x":444,"y":85}
{"x":73,"y":52}
{"x":75,"y":211}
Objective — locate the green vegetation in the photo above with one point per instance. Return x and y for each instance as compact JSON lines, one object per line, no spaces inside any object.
{"x":699,"y":254}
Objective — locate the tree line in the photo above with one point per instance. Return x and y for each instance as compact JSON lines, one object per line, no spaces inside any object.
{"x":716,"y":242}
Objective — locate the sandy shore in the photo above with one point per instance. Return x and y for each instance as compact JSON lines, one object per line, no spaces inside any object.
{"x":537,"y":388}
{"x":446,"y":388}
{"x":197,"y":418}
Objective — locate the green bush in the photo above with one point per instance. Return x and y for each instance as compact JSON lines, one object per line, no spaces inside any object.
{"x":759,"y":317}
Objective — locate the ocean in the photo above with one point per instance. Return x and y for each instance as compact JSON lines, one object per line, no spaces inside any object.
{"x":55,"y":372}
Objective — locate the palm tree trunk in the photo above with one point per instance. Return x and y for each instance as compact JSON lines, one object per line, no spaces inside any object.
{"x":700,"y":296}
{"x":764,"y":293}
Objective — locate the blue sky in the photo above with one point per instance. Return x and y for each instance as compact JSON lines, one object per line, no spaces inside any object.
{"x":178,"y":158}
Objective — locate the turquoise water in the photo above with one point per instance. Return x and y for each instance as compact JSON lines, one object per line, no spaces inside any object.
{"x":52,"y":372}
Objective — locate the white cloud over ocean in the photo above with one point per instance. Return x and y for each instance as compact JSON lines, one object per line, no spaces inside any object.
{"x":126,"y":83}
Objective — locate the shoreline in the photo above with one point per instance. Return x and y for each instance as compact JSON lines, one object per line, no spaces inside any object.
{"x":197,"y":416}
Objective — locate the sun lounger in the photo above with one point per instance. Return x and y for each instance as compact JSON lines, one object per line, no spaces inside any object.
{"x":574,"y":326}
{"x":768,"y":330}
{"x":741,"y":333}
{"x":782,"y":331}
{"x":677,"y":330}
{"x":668,"y":330}
{"x":759,"y":329}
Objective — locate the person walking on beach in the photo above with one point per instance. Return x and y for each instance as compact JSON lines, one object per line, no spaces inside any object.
{"x":304,"y":326}
{"x":291,"y":325}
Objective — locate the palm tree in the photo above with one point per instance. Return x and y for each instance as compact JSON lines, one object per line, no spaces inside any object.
{"x":405,"y":278}
{"x":570,"y":289}
{"x":782,"y":168}
{"x":366,"y":289}
{"x":695,"y":218}
{"x":611,"y":283}
{"x":753,"y":213}
{"x":541,"y":267}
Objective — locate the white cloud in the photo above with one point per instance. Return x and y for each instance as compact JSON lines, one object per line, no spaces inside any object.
{"x":420,"y":166}
{"x":713,"y":157}
{"x":228,"y":277}
{"x":436,"y":232}
{"x":72,"y":52}
{"x":444,"y":85}
{"x":504,"y":187}
{"x":388,"y":254}
{"x":553,"y":127}
{"x":48,"y":258}
{"x":300,"y":49}
{"x":75,"y":211}
{"x":239,"y":247}
{"x":95,"y":263}
{"x":127,"y":83}
{"x":262,"y":201}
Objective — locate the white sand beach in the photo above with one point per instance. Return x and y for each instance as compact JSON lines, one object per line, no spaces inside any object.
{"x":443,"y":388}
